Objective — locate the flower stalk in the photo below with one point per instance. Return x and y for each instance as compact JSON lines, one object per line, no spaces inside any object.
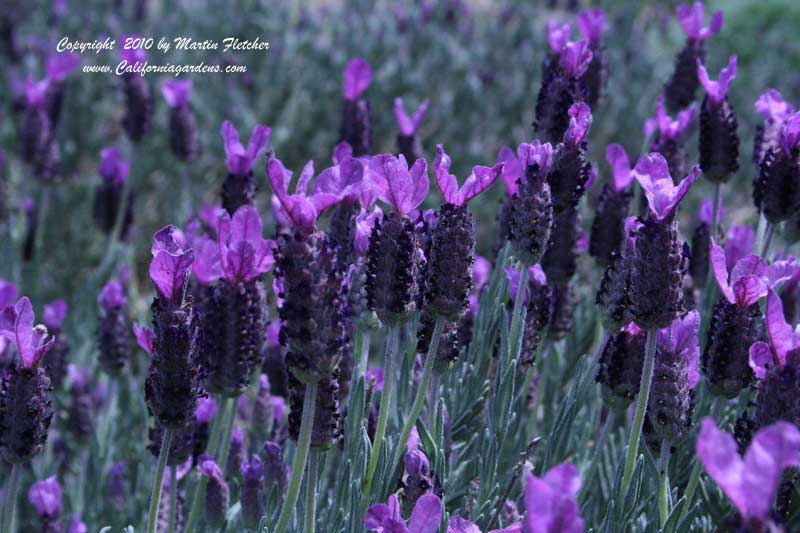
{"x":152,"y":520}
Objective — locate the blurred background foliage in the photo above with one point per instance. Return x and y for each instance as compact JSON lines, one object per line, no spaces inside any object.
{"x":478,"y":62}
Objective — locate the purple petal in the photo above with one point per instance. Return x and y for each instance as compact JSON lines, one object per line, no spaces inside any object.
{"x":112,"y":295}
{"x":54,"y":314}
{"x":761,"y":359}
{"x":749,"y":290}
{"x":783,"y":270}
{"x":781,"y":336}
{"x":512,"y":277}
{"x":448,"y":184}
{"x":375,"y":517}
{"x":663,"y":197}
{"x":740,"y":242}
{"x":719,"y":454}
{"x":426,"y":516}
{"x":717,"y":90}
{"x":177,"y":92}
{"x":207,"y":267}
{"x":681,"y":338}
{"x":720,"y":271}
{"x":35,"y":92}
{"x":790,"y":133}
{"x":481,"y":271}
{"x":691,"y":19}
{"x":171,"y":264}
{"x":404,"y":122}
{"x":773,"y":107}
{"x":480,"y":179}
{"x":707,"y":211}
{"x":239,"y":160}
{"x":575,"y":58}
{"x":402,"y":188}
{"x":16,"y":326}
{"x":620,"y":167}
{"x":45,"y":496}
{"x":580,"y":119}
{"x":144,"y":337}
{"x":513,"y":171}
{"x":592,"y":25}
{"x":342,"y":150}
{"x":209,"y":468}
{"x":557,"y":36}
{"x":416,"y":463}
{"x":8,"y":293}
{"x":536,"y":154}
{"x":357,"y":77}
{"x":112,"y":167}
{"x":364,"y":224}
{"x":456,"y":524}
{"x":244,"y":253}
{"x":61,"y":65}
{"x":550,"y":501}
{"x":169,"y":239}
{"x":304,"y":179}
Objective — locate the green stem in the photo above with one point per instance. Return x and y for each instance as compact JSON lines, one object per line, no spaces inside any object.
{"x":715,"y":209}
{"x":155,"y":498}
{"x":173,"y":497}
{"x":767,"y":239}
{"x":697,"y":469}
{"x":213,"y":446}
{"x":638,"y":420}
{"x":517,"y":327}
{"x":663,"y":487}
{"x":10,"y":498}
{"x":300,"y":456}
{"x":311,"y":493}
{"x":419,"y":399}
{"x":392,"y":340}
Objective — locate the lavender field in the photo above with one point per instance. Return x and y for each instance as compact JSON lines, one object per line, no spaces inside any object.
{"x":486,"y":266}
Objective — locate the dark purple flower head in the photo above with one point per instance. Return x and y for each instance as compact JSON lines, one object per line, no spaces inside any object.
{"x":402,"y":188}
{"x":61,"y":65}
{"x":54,"y":314}
{"x":206,"y":409}
{"x":535,"y":274}
{"x":386,"y":518}
{"x":144,"y":337}
{"x":240,"y":161}
{"x":253,"y":469}
{"x":409,"y":125}
{"x":750,"y":482}
{"x":17,"y":327}
{"x":680,"y":338}
{"x":621,"y":175}
{"x":209,"y":468}
{"x":132,"y":55}
{"x":357,"y":77}
{"x":480,"y":179}
{"x":707,"y":212}
{"x":717,"y":91}
{"x":580,"y":119}
{"x":692,"y":18}
{"x":550,"y":501}
{"x":374,"y":376}
{"x":789,"y":138}
{"x":575,"y":58}
{"x":177,"y":93}
{"x":171,"y":263}
{"x":36,"y":92}
{"x":298,"y":209}
{"x":663,"y":196}
{"x":669,"y":129}
{"x":748,"y":277}
{"x":784,"y":341}
{"x":45,"y":496}
{"x":113,"y":168}
{"x":772,"y":107}
{"x":592,"y":25}
{"x":557,"y":36}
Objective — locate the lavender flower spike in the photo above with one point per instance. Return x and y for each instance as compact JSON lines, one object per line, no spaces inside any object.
{"x":748,"y":278}
{"x":244,"y":253}
{"x":356,"y":129}
{"x":692,"y":18}
{"x":670,"y":134}
{"x":775,"y":190}
{"x":182,"y":123}
{"x":750,"y":482}
{"x":217,"y":492}
{"x":171,"y":264}
{"x":531,"y":210}
{"x":608,"y":230}
{"x":663,"y":197}
{"x":550,"y":501}
{"x":580,"y":119}
{"x":557,"y":35}
{"x":45,"y":496}
{"x":108,"y":199}
{"x":238,"y":188}
{"x":425,"y":517}
{"x":592,"y":25}
{"x":575,"y":58}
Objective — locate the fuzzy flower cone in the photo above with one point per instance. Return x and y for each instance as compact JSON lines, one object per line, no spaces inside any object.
{"x":621,"y":367}
{"x":356,"y":128}
{"x":669,"y":135}
{"x":172,"y":387}
{"x":680,"y":90}
{"x":182,"y":123}
{"x":108,"y":196}
{"x":113,"y":338}
{"x":408,"y":142}
{"x":138,"y":99}
{"x":613,"y":296}
{"x":239,"y":187}
{"x":750,"y":482}
{"x":25,"y":405}
{"x":657,"y":262}
{"x":217,"y":492}
{"x":719,"y":141}
{"x":608,"y":231}
{"x":778,"y":188}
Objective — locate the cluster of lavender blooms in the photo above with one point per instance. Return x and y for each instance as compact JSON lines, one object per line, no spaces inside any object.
{"x":257,"y":349}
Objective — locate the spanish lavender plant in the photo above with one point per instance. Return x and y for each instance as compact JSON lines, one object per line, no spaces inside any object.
{"x":669,"y":135}
{"x":182,"y":123}
{"x":217,"y":492}
{"x":110,"y":194}
{"x":356,"y":129}
{"x":239,"y":187}
{"x":45,"y":497}
{"x":592,"y":25}
{"x":608,"y":230}
{"x":774,"y":110}
{"x":719,"y":141}
{"x":39,"y":148}
{"x":138,"y":99}
{"x":112,"y":332}
{"x":252,"y":491}
{"x":408,"y":142}
{"x":59,"y":66}
{"x":777,"y":185}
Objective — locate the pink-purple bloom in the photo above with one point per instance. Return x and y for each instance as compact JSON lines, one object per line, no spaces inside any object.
{"x":550,"y":501}
{"x":621,"y":175}
{"x":171,"y":263}
{"x":132,"y":55}
{"x":35,"y":92}
{"x":772,"y":107}
{"x":113,"y":168}
{"x":575,"y":58}
{"x":357,"y":77}
{"x":402,"y":188}
{"x":749,"y":482}
{"x":580,"y":119}
{"x":748,"y":278}
{"x":409,"y":125}
{"x":144,"y":337}
{"x":45,"y":496}
{"x":53,"y":315}
{"x":717,"y":91}
{"x":17,"y":327}
{"x":592,"y":25}
{"x":663,"y":197}
{"x":680,"y":338}
{"x":177,"y":92}
{"x":112,"y":295}
{"x":480,"y":179}
{"x":740,"y":242}
{"x":692,"y":18}
{"x":386,"y":518}
{"x":299,"y":209}
{"x":783,"y":340}
{"x":206,"y":409}
{"x":706,"y":212}
{"x":240,"y":161}
{"x":669,"y":128}
{"x":61,"y":65}
{"x":557,"y":36}
{"x":789,"y":138}
{"x":365,"y":221}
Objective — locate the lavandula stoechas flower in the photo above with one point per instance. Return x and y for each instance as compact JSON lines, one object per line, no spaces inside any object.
{"x":408,"y":143}
{"x":25,"y":405}
{"x":425,"y":517}
{"x":669,"y":135}
{"x":561,"y":86}
{"x":109,"y":194}
{"x":173,"y":382}
{"x":778,"y":184}
{"x":679,"y":91}
{"x":81,"y":408}
{"x":8,"y":296}
{"x":551,"y":501}
{"x":608,"y":226}
{"x":59,"y":66}
{"x":116,"y":485}
{"x":182,"y":123}
{"x":233,"y":318}
{"x":417,"y":479}
{"x":37,"y":136}
{"x":719,"y":141}
{"x":356,"y":128}
{"x":620,"y":368}
{"x":45,"y":497}
{"x":701,"y":241}
{"x":276,"y":471}
{"x":539,"y":309}
{"x":261,"y":419}
{"x":252,"y":490}
{"x":592,"y":25}
{"x":749,"y":482}
{"x":53,"y":318}
{"x":530,"y":214}
{"x":394,"y":258}
{"x":237,"y":452}
{"x":113,"y":338}
{"x":239,"y":187}
{"x":217,"y":496}
{"x":657,"y":261}
{"x":274,"y":363}
{"x":774,"y":110}
{"x":138,"y":99}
